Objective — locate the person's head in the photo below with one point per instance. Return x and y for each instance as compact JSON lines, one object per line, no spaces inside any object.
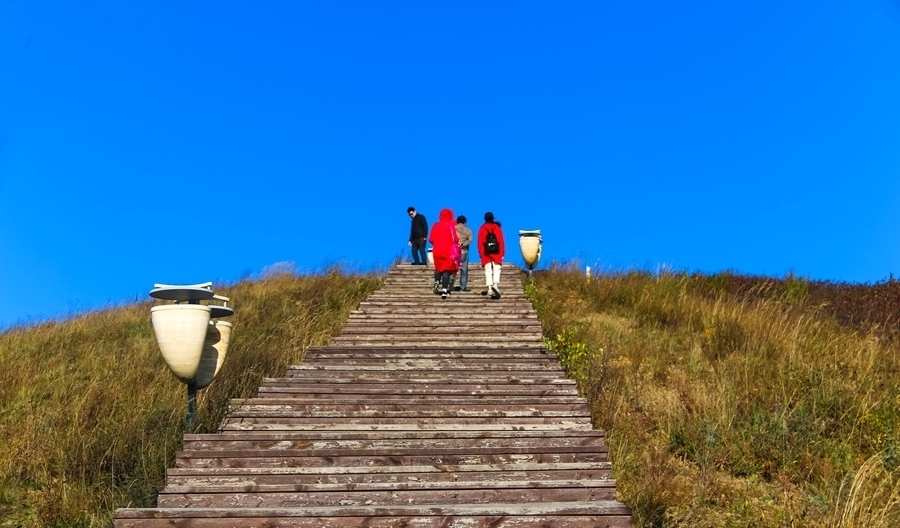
{"x":411,"y":211}
{"x":460,"y":219}
{"x":489,"y":217}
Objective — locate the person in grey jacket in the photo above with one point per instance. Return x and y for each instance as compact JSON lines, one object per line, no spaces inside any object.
{"x":418,"y":233}
{"x":465,"y":239}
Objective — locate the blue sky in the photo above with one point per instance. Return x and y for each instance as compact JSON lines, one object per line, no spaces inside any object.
{"x":181,"y":142}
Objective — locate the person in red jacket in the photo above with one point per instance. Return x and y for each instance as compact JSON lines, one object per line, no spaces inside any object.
{"x":491,"y":250}
{"x":445,"y":251}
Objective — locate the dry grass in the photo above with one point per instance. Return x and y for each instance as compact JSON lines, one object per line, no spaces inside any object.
{"x":761,"y":404}
{"x":90,"y":416}
{"x":728,"y":401}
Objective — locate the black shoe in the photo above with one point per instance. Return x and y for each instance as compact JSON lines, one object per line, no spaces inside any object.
{"x":444,"y":294}
{"x":485,"y":292}
{"x":495,"y":293}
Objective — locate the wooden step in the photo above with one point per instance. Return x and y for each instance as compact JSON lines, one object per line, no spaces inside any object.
{"x":569,"y":514}
{"x":251,"y":476}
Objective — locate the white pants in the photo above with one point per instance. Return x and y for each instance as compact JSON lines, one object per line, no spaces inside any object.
{"x":491,"y":274}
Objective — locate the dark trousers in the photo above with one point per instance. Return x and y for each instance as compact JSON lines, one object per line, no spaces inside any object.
{"x":444,"y":278}
{"x":418,"y":247}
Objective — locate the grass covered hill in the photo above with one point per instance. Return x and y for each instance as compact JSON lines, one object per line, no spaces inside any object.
{"x":727,"y":400}
{"x":90,"y":417}
{"x":737,"y":401}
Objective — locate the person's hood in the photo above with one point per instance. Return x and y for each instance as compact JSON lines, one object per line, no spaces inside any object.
{"x":447,"y":216}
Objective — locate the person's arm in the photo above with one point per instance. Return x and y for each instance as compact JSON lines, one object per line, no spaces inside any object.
{"x":466,"y":239}
{"x":481,"y":234}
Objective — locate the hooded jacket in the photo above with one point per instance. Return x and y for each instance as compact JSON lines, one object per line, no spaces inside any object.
{"x":443,"y":237}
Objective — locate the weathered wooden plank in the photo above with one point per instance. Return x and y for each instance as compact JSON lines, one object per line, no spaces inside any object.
{"x":265,"y":425}
{"x":419,"y":366}
{"x":568,"y":508}
{"x":448,"y":343}
{"x":459,"y":325}
{"x":438,"y":521}
{"x":473,"y":392}
{"x":462,"y":350}
{"x":357,"y":476}
{"x":406,"y":339}
{"x":222,"y":442}
{"x":430,"y":359}
{"x":270,"y":398}
{"x":268,"y":460}
{"x":460,"y":378}
{"x":197,"y":480}
{"x":411,"y":413}
{"x":440,"y":471}
{"x":415,"y":484}
{"x":311,"y":495}
{"x":421,"y":434}
{"x":431,"y":389}
{"x":354,"y":409}
{"x":475,"y":305}
{"x":359,"y":315}
{"x":281,"y":421}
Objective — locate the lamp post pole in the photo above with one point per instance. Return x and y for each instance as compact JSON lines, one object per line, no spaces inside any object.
{"x":191,"y":343}
{"x":191,"y":402}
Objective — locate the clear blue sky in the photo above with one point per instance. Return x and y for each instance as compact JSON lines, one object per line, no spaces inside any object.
{"x":180,"y":142}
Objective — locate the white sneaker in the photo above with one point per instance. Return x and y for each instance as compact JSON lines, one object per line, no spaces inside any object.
{"x":444,"y":294}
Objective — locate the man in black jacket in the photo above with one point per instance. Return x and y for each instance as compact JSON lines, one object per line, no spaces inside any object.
{"x":417,"y":236}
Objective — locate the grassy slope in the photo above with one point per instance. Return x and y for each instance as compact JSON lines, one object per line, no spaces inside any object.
{"x":737,"y":401}
{"x":729,"y":401}
{"x":90,"y":417}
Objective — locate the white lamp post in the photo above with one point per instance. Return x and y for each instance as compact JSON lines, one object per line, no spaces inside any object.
{"x":530,"y":244}
{"x":192,"y":342}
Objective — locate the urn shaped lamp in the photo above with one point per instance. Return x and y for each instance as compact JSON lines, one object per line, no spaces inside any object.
{"x":192,"y":340}
{"x":530,"y":244}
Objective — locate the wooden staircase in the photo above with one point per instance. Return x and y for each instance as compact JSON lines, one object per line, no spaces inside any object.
{"x":423,"y":413}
